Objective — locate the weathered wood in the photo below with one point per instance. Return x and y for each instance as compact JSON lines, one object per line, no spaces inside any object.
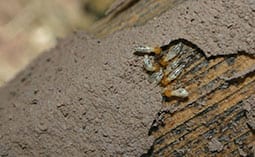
{"x":132,"y":13}
{"x":90,"y":97}
{"x":214,"y":109}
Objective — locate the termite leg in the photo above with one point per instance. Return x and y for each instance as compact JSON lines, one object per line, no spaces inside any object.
{"x":148,"y":49}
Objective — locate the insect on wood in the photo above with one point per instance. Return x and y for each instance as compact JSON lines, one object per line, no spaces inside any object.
{"x":166,"y":64}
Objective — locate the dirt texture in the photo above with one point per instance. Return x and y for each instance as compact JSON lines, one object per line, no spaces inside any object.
{"x":90,"y":97}
{"x":73,"y":101}
{"x":217,"y":27}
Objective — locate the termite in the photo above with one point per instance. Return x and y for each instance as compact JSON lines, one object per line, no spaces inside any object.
{"x":173,"y":75}
{"x":172,"y":66}
{"x":149,"y":64}
{"x":147,"y":49}
{"x":172,"y":53}
{"x":180,"y":92}
{"x":165,"y":67}
{"x":156,"y":77}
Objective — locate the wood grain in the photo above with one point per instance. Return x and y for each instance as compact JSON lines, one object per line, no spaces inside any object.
{"x":214,"y":108}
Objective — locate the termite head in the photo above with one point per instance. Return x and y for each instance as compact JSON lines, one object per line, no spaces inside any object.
{"x":164,"y":61}
{"x":165,"y":81}
{"x":180,"y":92}
{"x":157,"y":50}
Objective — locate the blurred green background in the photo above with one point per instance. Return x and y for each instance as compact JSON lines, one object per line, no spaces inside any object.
{"x":30,"y":27}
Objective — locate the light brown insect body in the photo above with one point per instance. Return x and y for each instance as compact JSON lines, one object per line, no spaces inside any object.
{"x":165,"y":65}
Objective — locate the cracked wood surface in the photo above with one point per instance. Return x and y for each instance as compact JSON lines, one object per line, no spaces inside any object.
{"x":214,"y":109}
{"x":90,"y":97}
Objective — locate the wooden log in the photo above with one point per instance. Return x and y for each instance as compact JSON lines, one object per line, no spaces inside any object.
{"x":90,"y":97}
{"x":214,"y":112}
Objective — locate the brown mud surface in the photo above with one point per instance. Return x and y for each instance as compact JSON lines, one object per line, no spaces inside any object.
{"x":88,"y":96}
